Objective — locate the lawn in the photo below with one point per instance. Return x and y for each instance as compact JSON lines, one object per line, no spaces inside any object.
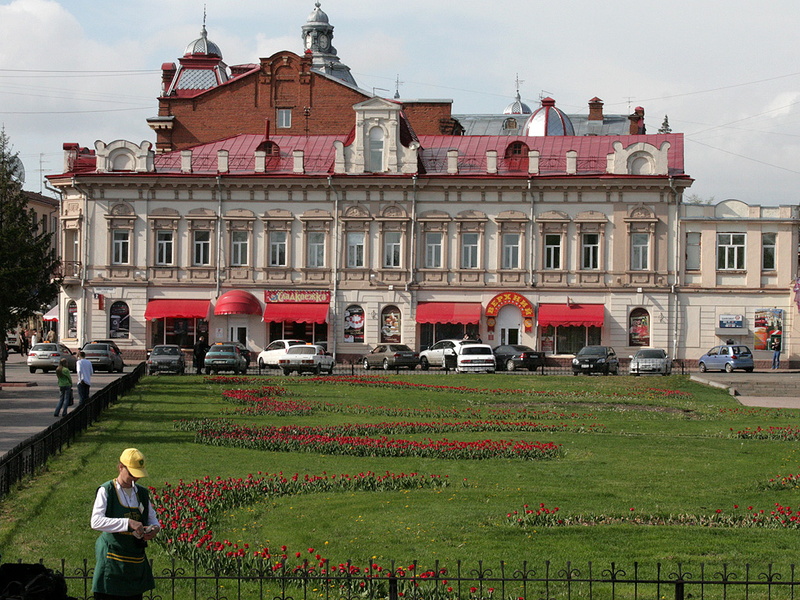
{"x":644,"y":469}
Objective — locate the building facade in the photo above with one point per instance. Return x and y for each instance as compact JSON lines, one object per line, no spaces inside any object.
{"x":367,"y":228}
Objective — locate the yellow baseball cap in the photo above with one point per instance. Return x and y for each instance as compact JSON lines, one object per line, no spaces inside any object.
{"x":134,"y":462}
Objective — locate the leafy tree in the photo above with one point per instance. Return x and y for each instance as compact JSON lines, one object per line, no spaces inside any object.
{"x":28,"y":265}
{"x":665,"y":128}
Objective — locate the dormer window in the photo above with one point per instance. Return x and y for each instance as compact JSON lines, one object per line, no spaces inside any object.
{"x":375,"y":162}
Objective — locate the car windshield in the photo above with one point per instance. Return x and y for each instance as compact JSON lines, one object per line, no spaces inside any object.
{"x":521,"y":348}
{"x":95,"y":348}
{"x":45,"y":348}
{"x":651,"y":354}
{"x":399,"y":348}
{"x":592,"y":351}
{"x":302,"y":350}
{"x":165,"y":351}
{"x":740,"y":350}
{"x":476,"y":350}
{"x":222,"y":350}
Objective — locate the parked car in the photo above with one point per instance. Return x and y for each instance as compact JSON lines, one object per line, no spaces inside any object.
{"x":391,"y":356}
{"x":727,"y":357}
{"x":104,"y":356}
{"x":12,"y":343}
{"x":243,"y":349}
{"x":596,"y":359}
{"x":268,"y":357}
{"x":166,"y":358}
{"x":650,"y":360}
{"x":307,"y":358}
{"x":475,"y":358}
{"x":46,"y":357}
{"x":516,"y":356}
{"x":435,"y":355}
{"x":224,"y":357}
{"x":109,"y":342}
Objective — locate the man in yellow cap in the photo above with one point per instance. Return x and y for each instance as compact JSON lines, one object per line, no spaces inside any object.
{"x":123,"y":513}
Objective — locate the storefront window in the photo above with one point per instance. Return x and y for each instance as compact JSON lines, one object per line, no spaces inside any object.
{"x":119,"y":319}
{"x":568,"y":339}
{"x":390,"y":325}
{"x":184,"y":332}
{"x":639,"y":329}
{"x":354,"y":324}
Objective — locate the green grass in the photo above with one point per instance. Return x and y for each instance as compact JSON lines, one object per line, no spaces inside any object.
{"x":658,"y":454}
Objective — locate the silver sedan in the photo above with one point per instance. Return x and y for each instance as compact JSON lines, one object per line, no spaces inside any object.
{"x":47,"y":356}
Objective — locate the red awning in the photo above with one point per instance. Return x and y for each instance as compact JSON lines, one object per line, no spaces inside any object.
{"x":297,"y":312}
{"x":586,"y":315}
{"x":237,"y":302}
{"x":449,"y":312}
{"x":177,"y":309}
{"x":51,"y":315}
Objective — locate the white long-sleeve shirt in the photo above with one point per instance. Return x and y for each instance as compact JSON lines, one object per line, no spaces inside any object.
{"x":85,"y":370}
{"x":100,"y":522}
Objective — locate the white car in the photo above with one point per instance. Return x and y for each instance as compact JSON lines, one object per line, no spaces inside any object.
{"x":650,"y":360}
{"x":475,"y":358}
{"x":435,"y":355}
{"x":268,"y":357}
{"x":306,"y":359}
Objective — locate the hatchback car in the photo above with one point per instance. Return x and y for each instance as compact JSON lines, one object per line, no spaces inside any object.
{"x":225,"y":357}
{"x":475,"y":358}
{"x":442,"y":353}
{"x":104,"y":357}
{"x":12,"y":343}
{"x":727,"y":358}
{"x":516,"y":356}
{"x":391,"y":356}
{"x":268,"y":357}
{"x":595,"y":359}
{"x":650,"y":360}
{"x":47,"y":356}
{"x":167,"y":358}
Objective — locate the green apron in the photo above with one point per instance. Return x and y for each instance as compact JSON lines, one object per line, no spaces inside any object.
{"x":122,"y":568}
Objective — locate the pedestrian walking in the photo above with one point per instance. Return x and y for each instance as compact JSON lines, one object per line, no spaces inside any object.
{"x":123,"y":513}
{"x":51,"y":336}
{"x":85,"y":372}
{"x":776,"y":353}
{"x":199,"y":354}
{"x":34,"y":338}
{"x":64,"y":388}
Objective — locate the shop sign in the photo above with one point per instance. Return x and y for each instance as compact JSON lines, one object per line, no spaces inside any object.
{"x":305,"y":296}
{"x":504,"y":299}
{"x":731,"y":321}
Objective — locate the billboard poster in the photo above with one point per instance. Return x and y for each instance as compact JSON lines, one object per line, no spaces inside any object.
{"x":354,"y":324}
{"x":768,"y":327}
{"x":390,"y":325}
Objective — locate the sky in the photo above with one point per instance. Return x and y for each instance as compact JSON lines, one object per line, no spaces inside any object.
{"x":724,"y":74}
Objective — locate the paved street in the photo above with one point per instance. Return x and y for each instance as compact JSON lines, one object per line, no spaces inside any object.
{"x":27,"y":401}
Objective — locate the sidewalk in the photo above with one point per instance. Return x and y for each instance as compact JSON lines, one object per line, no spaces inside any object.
{"x":767,"y":389}
{"x":27,"y":401}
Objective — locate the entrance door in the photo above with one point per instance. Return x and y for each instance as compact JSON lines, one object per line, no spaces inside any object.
{"x":509,"y":321}
{"x":509,"y":336}
{"x":238,"y":334}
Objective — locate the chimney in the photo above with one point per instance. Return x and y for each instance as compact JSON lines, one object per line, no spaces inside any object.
{"x":595,"y":109}
{"x":266,"y":129}
{"x":637,"y":122}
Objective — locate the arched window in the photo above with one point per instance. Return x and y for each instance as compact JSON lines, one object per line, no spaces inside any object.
{"x":640,"y":164}
{"x":354,"y":324}
{"x":119,"y":318}
{"x":510,"y":123}
{"x":517,"y":156}
{"x":72,"y":319}
{"x":375,"y":151}
{"x":390,"y":325}
{"x":639,"y":327}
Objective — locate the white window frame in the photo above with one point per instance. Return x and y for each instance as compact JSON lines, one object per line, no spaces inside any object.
{"x":640,"y":251}
{"x":510,"y":252}
{"x":240,"y":245}
{"x":201,"y":248}
{"x":315,"y":258}
{"x":392,"y":249}
{"x":590,"y":251}
{"x":552,"y":252}
{"x":165,"y":247}
{"x":769,"y":253}
{"x":470,"y":243}
{"x":121,"y":247}
{"x":731,"y":251}
{"x":433,"y":249}
{"x":278,"y":248}
{"x":283,"y":118}
{"x":375,"y":150}
{"x":355,"y":250}
{"x":694,"y":240}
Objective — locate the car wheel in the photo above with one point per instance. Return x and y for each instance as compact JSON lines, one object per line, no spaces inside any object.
{"x":510,"y":366}
{"x":702,"y":367}
{"x":330,"y":370}
{"x":575,"y":373}
{"x":32,"y":369}
{"x":287,"y":371}
{"x":386,"y":364}
{"x":366,"y":364}
{"x":45,"y":371}
{"x":318,"y":370}
{"x":208,"y":371}
{"x":749,"y":370}
{"x":424,"y":364}
{"x":728,"y":368}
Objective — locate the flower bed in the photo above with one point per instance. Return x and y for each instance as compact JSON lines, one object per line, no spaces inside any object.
{"x":786,"y":434}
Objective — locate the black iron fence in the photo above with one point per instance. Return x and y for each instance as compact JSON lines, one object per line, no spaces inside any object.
{"x":504,"y":581}
{"x":31,"y":455}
